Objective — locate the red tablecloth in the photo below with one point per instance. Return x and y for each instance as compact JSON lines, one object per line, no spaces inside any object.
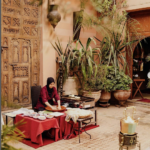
{"x":34,"y":128}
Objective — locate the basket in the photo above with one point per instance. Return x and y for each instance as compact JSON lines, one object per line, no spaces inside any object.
{"x":83,"y":117}
{"x":63,"y":108}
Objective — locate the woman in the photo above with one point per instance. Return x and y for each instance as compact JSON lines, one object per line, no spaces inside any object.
{"x":47,"y":94}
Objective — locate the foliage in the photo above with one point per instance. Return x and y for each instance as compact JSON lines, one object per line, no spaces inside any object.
{"x":109,"y":82}
{"x":123,"y":81}
{"x":113,"y":50}
{"x":64,"y":58}
{"x":11,"y":133}
{"x":95,"y":83}
{"x":84,"y":57}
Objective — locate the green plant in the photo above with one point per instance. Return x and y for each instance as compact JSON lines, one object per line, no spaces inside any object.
{"x":84,"y":57}
{"x":109,"y":81}
{"x":64,"y":58}
{"x":95,"y":83}
{"x":113,"y":49}
{"x":11,"y":133}
{"x":123,"y":81}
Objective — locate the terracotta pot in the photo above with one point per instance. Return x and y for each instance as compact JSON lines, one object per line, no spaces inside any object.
{"x":70,"y":86}
{"x":96,"y":95}
{"x":122,"y":95}
{"x":105,"y":96}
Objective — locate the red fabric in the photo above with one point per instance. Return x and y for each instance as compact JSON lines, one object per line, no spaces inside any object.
{"x":145,"y":100}
{"x":33,"y":130}
{"x":44,"y":97}
{"x":47,"y":141}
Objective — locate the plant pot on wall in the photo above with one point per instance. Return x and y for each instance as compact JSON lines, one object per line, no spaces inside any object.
{"x":77,"y":20}
{"x":122,"y":96}
{"x":53,"y":15}
{"x":96,"y":95}
{"x":70,"y":86}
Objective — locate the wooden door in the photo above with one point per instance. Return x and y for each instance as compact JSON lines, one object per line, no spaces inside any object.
{"x":20,"y":58}
{"x":19,"y":70}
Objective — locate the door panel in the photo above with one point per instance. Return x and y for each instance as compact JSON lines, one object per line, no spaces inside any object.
{"x":20,"y":59}
{"x":20,"y":68}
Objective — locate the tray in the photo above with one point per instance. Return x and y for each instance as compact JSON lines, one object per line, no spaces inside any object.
{"x":63,"y":108}
{"x":83,"y":117}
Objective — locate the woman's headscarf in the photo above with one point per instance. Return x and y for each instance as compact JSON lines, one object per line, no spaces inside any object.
{"x":49,"y":81}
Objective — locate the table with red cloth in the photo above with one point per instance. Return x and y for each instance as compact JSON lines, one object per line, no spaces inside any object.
{"x":33,"y":129}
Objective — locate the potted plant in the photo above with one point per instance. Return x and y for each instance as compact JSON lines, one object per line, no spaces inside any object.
{"x":122,"y":89}
{"x":87,"y":67}
{"x":68,"y":68}
{"x":108,"y":85}
{"x":93,"y":84}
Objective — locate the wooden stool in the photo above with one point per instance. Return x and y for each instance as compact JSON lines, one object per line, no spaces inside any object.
{"x":138,"y":86}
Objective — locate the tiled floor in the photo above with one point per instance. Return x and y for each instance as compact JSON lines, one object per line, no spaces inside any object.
{"x":104,"y":137}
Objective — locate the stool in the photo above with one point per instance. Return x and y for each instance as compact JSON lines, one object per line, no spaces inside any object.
{"x":80,"y":127}
{"x":138,"y":86}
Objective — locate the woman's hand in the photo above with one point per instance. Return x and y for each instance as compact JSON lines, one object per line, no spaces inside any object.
{"x":59,"y":107}
{"x":53,"y":108}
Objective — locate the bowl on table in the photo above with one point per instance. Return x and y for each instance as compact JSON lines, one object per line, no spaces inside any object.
{"x":35,"y":117}
{"x":49,"y":116}
{"x":26,"y":114}
{"x":41,"y":117}
{"x":63,"y":108}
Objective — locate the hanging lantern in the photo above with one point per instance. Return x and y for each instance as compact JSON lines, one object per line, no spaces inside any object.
{"x":53,"y":15}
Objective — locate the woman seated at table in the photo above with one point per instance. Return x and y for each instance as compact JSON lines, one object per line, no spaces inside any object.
{"x":47,"y":94}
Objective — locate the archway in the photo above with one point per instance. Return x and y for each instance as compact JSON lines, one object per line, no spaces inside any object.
{"x":141,"y":67}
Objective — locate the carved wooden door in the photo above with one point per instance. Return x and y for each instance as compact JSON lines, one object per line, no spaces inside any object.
{"x":19,"y":66}
{"x":20,"y":57}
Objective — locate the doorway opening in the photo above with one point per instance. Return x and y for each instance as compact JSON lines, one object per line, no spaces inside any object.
{"x":141,"y":68}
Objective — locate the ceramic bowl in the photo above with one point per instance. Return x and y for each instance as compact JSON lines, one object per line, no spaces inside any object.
{"x":35,"y":117}
{"x":41,"y":117}
{"x":49,"y":116}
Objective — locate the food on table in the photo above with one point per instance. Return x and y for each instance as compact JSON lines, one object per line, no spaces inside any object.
{"x":26,"y":114}
{"x":56,"y":108}
{"x":35,"y":117}
{"x":49,"y":116}
{"x":41,"y":117}
{"x":30,"y":111}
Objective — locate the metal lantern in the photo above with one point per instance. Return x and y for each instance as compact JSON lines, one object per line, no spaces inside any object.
{"x":53,"y":15}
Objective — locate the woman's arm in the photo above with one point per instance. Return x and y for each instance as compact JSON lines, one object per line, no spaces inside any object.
{"x":44,"y":98}
{"x":49,"y":105}
{"x":57,"y":98}
{"x":59,"y":105}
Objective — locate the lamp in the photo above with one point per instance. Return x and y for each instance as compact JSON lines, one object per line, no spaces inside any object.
{"x":53,"y":16}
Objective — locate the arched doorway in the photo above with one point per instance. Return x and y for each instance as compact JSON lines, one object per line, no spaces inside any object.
{"x":141,"y":67}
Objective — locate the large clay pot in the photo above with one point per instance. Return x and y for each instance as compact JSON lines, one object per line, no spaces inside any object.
{"x":70,"y":86}
{"x":105,"y":96}
{"x":122,"y":95}
{"x":96,"y":95}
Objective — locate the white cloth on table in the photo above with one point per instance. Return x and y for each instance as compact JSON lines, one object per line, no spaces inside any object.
{"x":75,"y":113}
